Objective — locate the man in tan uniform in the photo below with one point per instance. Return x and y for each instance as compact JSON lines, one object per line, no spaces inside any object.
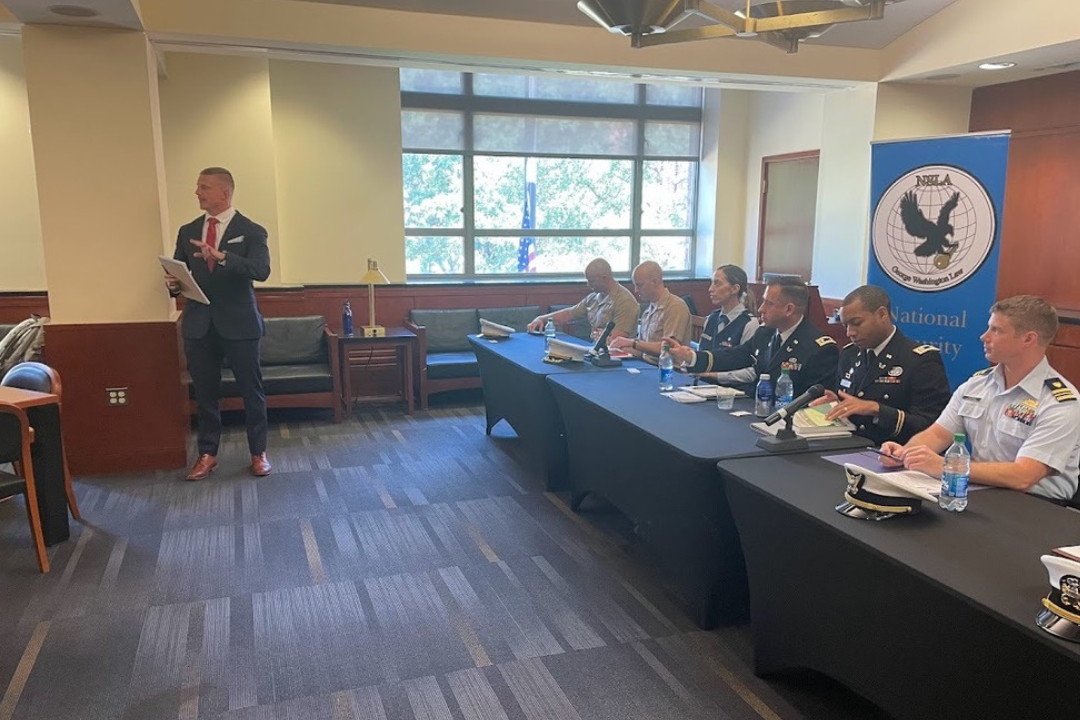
{"x":666,"y":316}
{"x":607,"y":301}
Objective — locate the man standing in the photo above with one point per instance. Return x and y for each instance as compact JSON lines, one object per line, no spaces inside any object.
{"x":225,"y":252}
{"x":1020,"y":416}
{"x":785,"y":339}
{"x":607,"y":300}
{"x":890,"y":386}
{"x":666,"y":317}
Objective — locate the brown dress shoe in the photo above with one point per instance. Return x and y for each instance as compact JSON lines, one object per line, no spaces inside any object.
{"x":260,"y":465}
{"x":202,"y":468}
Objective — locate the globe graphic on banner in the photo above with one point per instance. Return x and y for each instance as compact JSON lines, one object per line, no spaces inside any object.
{"x":958,"y":243}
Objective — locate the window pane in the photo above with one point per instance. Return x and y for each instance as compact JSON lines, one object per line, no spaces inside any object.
{"x":433,"y":190}
{"x":515,"y":133}
{"x":673,"y":253}
{"x":683,"y":95}
{"x":667,"y":194}
{"x":434,"y":255}
{"x":672,"y":139}
{"x":432,"y":81}
{"x":567,"y":255}
{"x":432,"y":130}
{"x":547,"y":87}
{"x":571,"y":193}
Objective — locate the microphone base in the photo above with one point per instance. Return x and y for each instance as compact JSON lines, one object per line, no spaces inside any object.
{"x":785,"y":441}
{"x":602,"y":360}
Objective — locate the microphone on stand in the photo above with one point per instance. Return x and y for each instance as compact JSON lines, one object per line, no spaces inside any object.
{"x":601,"y":342}
{"x":599,"y":355}
{"x":812,"y":393}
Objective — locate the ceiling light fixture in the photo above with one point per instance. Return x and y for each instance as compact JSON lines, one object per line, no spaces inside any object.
{"x":783,"y":23}
{"x":997,"y":65}
{"x":75,"y":11}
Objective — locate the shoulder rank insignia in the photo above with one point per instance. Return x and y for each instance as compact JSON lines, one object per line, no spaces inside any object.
{"x":825,"y":340}
{"x":984,"y":371}
{"x":923,"y":349}
{"x":1060,"y":391}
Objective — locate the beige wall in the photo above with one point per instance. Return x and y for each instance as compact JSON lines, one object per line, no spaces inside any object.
{"x":337,"y":139}
{"x":216,"y":111}
{"x":23,"y":266}
{"x":912,"y":111}
{"x":93,"y":102}
{"x":722,"y":184}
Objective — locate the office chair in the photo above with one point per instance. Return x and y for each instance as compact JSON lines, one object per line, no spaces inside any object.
{"x":42,"y":378}
{"x":15,"y":438}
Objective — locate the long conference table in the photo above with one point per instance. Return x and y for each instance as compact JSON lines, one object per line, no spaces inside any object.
{"x":611,"y":432}
{"x":930,"y":616}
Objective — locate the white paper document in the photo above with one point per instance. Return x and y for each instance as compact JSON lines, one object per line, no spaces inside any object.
{"x":188,"y":287}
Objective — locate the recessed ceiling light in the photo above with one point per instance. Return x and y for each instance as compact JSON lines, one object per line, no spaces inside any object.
{"x":997,"y":65}
{"x":77,"y":11}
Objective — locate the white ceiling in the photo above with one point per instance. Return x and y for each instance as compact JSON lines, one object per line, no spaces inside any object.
{"x":899,"y":17}
{"x":110,"y":13}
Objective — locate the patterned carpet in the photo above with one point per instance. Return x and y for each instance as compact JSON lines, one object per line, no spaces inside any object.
{"x":392,"y":567}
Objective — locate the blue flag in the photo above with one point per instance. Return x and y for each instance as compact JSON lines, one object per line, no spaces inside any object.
{"x":527,"y":245}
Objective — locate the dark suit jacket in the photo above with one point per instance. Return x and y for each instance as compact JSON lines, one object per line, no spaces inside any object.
{"x":810,"y":356}
{"x":232,"y":308}
{"x":908,"y":382}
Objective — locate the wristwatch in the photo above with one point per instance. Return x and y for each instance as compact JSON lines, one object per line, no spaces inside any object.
{"x":633,"y":344}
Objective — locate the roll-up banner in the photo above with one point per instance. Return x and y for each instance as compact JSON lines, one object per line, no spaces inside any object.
{"x":935,"y":233}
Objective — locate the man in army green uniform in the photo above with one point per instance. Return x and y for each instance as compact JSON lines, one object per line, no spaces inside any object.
{"x":889,"y":386}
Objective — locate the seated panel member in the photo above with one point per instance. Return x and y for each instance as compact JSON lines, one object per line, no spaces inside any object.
{"x":1020,"y":416}
{"x":785,"y":338}
{"x":731,"y":324}
{"x":606,"y":301}
{"x":666,"y":317}
{"x":890,"y":386}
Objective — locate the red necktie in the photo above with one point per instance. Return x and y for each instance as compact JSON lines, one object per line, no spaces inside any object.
{"x":211,"y":240}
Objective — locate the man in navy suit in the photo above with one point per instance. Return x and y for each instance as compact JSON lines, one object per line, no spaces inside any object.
{"x":226,"y":253}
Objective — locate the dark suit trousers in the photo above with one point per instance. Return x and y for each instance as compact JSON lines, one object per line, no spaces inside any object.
{"x":204,"y":357}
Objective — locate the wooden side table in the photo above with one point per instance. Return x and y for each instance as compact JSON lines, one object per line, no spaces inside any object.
{"x":372,"y":364}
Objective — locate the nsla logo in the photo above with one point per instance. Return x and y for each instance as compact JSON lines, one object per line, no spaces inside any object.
{"x":933,"y":228}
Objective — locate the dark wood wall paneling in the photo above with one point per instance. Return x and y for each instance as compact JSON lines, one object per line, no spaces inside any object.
{"x":16,"y":307}
{"x":148,"y":433}
{"x":1040,"y":254}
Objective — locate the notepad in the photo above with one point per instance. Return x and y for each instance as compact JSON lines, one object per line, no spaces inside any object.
{"x":681,"y":396}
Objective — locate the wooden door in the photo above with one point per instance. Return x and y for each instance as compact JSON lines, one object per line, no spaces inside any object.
{"x":788,"y":207}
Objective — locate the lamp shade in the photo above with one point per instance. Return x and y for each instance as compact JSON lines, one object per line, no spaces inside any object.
{"x":374,"y":276}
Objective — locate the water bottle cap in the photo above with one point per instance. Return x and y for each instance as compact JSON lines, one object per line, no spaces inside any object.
{"x":959,"y":437}
{"x":765,"y":376}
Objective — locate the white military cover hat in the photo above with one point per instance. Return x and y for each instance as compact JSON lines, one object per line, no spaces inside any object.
{"x":1061,"y":608}
{"x":875,"y":496}
{"x":566,"y":350}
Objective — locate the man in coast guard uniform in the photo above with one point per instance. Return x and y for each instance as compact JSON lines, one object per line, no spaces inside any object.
{"x":785,"y":339}
{"x":890,"y":387}
{"x":1020,"y":416}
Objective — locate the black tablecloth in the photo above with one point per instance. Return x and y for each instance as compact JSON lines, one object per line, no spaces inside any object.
{"x":927,"y":616}
{"x":655,"y":460}
{"x":47,"y":454}
{"x":512,"y":372}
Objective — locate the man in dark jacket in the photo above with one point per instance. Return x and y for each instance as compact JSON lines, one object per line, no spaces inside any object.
{"x":226,"y":253}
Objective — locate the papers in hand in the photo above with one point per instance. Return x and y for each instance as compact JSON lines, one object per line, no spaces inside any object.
{"x":490,"y":329}
{"x":810,"y":422}
{"x":179,"y":272}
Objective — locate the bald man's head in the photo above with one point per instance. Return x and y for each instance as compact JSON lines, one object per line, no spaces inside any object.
{"x":599,"y":276}
{"x":649,"y":281}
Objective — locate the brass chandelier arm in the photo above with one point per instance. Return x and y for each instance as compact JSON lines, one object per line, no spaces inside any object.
{"x":680,"y":36}
{"x":808,"y":19}
{"x":706,"y":9}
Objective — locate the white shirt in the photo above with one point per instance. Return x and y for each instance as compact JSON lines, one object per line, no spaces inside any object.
{"x":224,"y":218}
{"x":1027,"y":420}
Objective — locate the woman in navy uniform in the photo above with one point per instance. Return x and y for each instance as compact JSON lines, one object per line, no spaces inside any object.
{"x":731,"y":324}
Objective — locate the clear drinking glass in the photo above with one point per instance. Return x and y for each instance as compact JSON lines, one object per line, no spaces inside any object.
{"x":725,"y":401}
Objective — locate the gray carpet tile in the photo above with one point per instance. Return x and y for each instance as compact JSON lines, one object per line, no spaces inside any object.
{"x":392,"y":567}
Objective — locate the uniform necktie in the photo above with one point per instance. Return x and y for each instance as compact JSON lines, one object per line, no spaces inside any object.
{"x":774,"y":347}
{"x":211,"y":240}
{"x":869,"y":357}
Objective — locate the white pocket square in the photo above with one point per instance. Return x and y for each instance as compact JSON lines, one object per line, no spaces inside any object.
{"x":235,"y":240}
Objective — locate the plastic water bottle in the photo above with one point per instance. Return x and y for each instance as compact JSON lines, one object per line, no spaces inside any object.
{"x":667,"y":369}
{"x":955,"y":476}
{"x":764,"y":396}
{"x":785,"y":389}
{"x":346,"y":319}
{"x":549,"y":332}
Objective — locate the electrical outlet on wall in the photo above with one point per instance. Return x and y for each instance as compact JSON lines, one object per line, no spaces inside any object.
{"x":116,"y":396}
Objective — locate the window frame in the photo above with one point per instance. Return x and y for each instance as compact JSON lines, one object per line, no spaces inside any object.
{"x":470,"y":105}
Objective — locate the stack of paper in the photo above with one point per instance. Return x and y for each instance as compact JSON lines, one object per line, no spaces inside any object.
{"x":490,"y":329}
{"x":811,"y":422}
{"x":681,"y":396}
{"x":714,"y":391}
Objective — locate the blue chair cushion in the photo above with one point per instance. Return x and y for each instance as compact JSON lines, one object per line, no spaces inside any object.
{"x":281,"y":380}
{"x":441,"y":366}
{"x":516,"y":317}
{"x":447,"y":330}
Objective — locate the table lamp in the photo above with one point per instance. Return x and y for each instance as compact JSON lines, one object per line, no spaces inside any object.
{"x":373,"y":277}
